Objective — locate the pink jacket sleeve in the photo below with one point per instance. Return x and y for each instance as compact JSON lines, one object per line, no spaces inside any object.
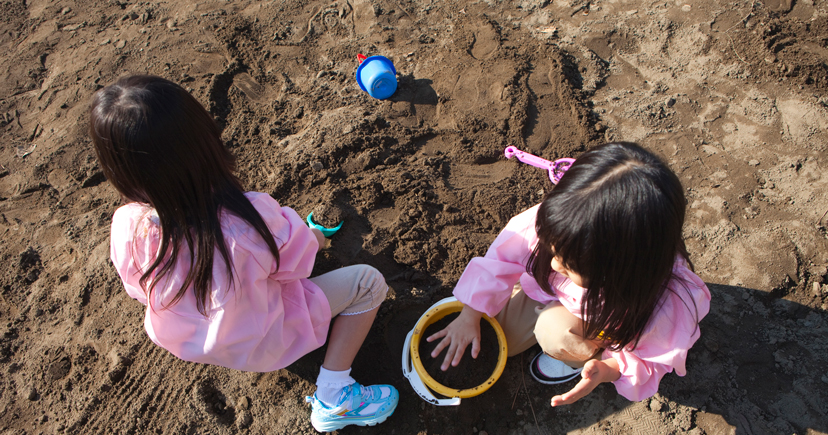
{"x":264,"y":321}
{"x":129,"y":220}
{"x":487,"y":282}
{"x":668,"y":337}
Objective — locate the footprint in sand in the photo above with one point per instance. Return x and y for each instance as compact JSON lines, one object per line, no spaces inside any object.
{"x":485,"y":42}
{"x":481,"y":90}
{"x":544,"y":112}
{"x":251,"y":88}
{"x":470,"y":176}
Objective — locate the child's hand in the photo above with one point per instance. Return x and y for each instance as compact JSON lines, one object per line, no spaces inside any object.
{"x":320,"y":238}
{"x":458,"y":334}
{"x":595,"y":373}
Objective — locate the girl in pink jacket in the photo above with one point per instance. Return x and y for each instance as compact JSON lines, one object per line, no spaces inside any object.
{"x":597,"y":274}
{"x":225,"y":274}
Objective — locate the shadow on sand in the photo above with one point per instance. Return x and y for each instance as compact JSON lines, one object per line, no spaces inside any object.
{"x":758,"y":368}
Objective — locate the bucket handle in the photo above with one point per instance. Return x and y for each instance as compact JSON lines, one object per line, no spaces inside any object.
{"x":417,"y":383}
{"x":361,"y":57}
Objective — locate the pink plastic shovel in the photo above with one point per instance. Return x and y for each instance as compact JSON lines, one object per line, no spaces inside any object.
{"x":556,"y":169}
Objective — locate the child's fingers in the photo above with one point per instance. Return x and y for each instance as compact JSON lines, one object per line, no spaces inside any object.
{"x":440,"y":346}
{"x":557,"y":400}
{"x":475,"y":348}
{"x":584,"y":387}
{"x":450,"y":358}
{"x":563,"y":399}
{"x":436,"y":335}
{"x":458,"y":355}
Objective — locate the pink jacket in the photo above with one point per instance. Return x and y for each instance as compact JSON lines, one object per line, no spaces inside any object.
{"x":265,"y":321}
{"x":487,"y":282}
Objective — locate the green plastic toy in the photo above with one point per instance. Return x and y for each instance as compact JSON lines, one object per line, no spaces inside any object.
{"x":327,"y":232}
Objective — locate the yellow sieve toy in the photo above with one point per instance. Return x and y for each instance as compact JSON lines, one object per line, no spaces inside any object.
{"x":413,"y":368}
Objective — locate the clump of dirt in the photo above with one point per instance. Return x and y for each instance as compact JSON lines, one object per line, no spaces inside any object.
{"x":328,"y":215}
{"x":471,"y":372}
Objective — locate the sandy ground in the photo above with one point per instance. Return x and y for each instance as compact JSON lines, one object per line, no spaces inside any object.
{"x":731,"y":94}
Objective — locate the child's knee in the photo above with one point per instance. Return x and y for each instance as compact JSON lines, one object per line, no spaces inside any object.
{"x":371,"y":278}
{"x":559,"y":335}
{"x":551,"y":341}
{"x":566,"y":347}
{"x":551,"y":328}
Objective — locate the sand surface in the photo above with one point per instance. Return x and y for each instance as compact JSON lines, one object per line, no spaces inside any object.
{"x":731,"y":94}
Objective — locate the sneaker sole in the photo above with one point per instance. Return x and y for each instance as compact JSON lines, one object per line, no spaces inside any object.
{"x":533,"y":370}
{"x":553,"y":381}
{"x":336,"y":425}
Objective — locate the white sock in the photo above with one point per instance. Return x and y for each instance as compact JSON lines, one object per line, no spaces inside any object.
{"x":329,"y":385}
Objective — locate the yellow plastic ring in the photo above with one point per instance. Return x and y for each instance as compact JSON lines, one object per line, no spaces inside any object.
{"x":436,"y":313}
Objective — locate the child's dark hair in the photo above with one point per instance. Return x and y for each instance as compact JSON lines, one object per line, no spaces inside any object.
{"x":616,"y":219}
{"x":158,"y":145}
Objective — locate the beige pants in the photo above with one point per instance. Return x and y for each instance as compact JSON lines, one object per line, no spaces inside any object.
{"x":352,"y":290}
{"x":526,"y":321}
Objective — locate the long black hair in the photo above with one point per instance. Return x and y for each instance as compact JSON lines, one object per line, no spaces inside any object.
{"x":615,"y":218}
{"x":157,"y":145}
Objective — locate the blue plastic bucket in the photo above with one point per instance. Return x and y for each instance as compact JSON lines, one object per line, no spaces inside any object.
{"x":377,"y":76}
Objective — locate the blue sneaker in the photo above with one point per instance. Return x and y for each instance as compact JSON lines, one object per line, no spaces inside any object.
{"x":362,"y":406}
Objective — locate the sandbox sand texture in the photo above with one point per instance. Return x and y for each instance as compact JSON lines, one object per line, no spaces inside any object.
{"x":731,"y":94}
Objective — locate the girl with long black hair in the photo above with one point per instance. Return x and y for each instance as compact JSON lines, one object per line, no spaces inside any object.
{"x":597,"y":274}
{"x":225,"y":273}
